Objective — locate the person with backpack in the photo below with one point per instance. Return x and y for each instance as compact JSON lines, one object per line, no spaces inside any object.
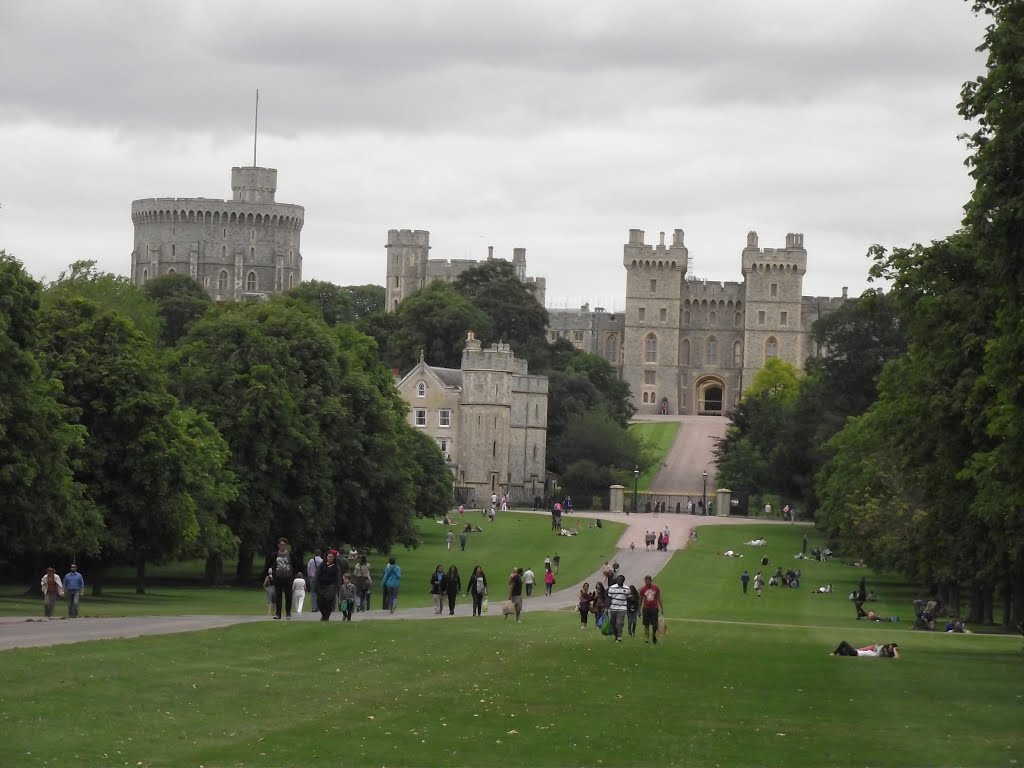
{"x":284,"y":565}
{"x":390,"y":582}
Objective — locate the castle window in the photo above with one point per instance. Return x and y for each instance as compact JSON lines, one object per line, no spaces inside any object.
{"x":421,"y":417}
{"x":771,"y":347}
{"x":684,"y":355}
{"x":250,"y":282}
{"x":713,"y":319}
{"x":711,"y":351}
{"x":663,"y":315}
{"x":611,"y":348}
{"x":649,"y":377}
{"x":421,"y":389}
{"x":737,"y":354}
{"x":224,"y":233}
{"x":222,"y":281}
{"x":252,"y":234}
{"x":686,"y":317}
{"x":396,"y":281}
{"x":641,"y":314}
{"x":760,"y":317}
{"x":494,"y":450}
{"x":478,"y":422}
{"x":577,"y":335}
{"x":145,"y":275}
{"x":224,"y":254}
{"x":442,"y":443}
{"x":171,"y":271}
{"x":784,"y":319}
{"x":252,"y":254}
{"x":173,"y":250}
{"x":291,"y":258}
{"x":654,"y":286}
{"x":291,"y":281}
{"x":651,"y":349}
{"x":552,"y":336}
{"x":738,"y":320}
{"x":773,"y":289}
{"x":645,"y":397}
{"x":535,"y":453}
{"x":444,"y":417}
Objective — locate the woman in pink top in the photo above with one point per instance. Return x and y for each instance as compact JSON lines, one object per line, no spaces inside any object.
{"x":549,"y":580}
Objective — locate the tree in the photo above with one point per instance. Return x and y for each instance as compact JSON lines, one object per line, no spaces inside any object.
{"x":112,"y":292}
{"x":179,"y":302}
{"x":145,"y":463}
{"x":434,"y":321}
{"x":432,"y":478}
{"x":777,"y":380}
{"x":333,"y":303}
{"x":516,"y":317}
{"x":45,"y":508}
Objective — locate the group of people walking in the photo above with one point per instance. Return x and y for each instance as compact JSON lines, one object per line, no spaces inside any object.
{"x":620,"y":606}
{"x":54,"y":588}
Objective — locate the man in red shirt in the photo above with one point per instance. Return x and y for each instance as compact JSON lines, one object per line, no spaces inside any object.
{"x":650,"y":605}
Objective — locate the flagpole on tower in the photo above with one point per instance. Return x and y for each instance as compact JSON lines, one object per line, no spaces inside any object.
{"x":256,"y":128}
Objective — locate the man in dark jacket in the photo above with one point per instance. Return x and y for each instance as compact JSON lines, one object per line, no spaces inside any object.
{"x":284,"y":565}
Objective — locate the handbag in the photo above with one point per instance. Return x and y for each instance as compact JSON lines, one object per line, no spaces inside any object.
{"x":484,"y":605}
{"x":509,"y":608}
{"x":607,"y":628}
{"x":601,"y":620}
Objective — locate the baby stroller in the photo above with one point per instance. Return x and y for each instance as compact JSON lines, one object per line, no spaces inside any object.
{"x":925,"y":612}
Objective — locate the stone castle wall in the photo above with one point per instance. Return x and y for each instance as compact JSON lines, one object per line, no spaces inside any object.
{"x":247,"y":247}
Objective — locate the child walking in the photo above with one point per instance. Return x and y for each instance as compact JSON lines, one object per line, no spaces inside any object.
{"x":268,"y":585}
{"x":299,"y":592}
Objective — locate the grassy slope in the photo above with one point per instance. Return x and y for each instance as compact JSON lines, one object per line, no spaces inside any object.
{"x":484,"y":692}
{"x":513,"y":539}
{"x":657,"y":438}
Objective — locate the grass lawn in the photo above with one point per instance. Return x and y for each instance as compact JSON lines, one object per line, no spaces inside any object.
{"x":738,"y":681}
{"x":657,"y":438}
{"x":513,"y":539}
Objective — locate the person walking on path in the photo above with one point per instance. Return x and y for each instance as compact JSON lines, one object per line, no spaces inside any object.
{"x":859,"y":596}
{"x":312,"y":566}
{"x":744,"y":578}
{"x":618,"y":597}
{"x":299,"y":592}
{"x":515,"y":593}
{"x":549,"y":581}
{"x":652,"y":608}
{"x":347,"y":597}
{"x":632,"y":609}
{"x":583,"y":605}
{"x":477,"y":589}
{"x":74,"y":583}
{"x":758,"y":583}
{"x":284,"y":566}
{"x":268,"y":587}
{"x":462,"y":541}
{"x":437,"y":588}
{"x":450,"y":538}
{"x":52,"y":589}
{"x":362,"y":582}
{"x":328,"y":584}
{"x":528,"y":581}
{"x":452,"y":585}
{"x":555,"y":562}
{"x":391,"y":581}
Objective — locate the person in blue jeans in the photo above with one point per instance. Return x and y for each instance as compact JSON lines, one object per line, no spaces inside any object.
{"x":391,"y":581}
{"x":73,"y":586}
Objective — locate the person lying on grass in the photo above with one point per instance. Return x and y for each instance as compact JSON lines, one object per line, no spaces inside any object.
{"x":887,"y":651}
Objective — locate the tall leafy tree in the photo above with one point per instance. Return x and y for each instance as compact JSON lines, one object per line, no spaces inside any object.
{"x":180,"y":300}
{"x":144,"y":463}
{"x":45,"y":508}
{"x":516,"y":316}
{"x":434,"y":321}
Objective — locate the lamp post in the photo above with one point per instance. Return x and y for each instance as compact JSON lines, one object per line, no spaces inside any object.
{"x":704,"y":494}
{"x":636,"y":481}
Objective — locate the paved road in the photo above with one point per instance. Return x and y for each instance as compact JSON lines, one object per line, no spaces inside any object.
{"x":691,"y":455}
{"x":24,"y":632}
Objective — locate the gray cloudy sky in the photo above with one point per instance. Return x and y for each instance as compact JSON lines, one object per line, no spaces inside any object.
{"x":551,"y":126}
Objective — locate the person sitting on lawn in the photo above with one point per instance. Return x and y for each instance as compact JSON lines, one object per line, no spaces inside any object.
{"x":826,"y":590}
{"x":731,"y":553}
{"x":887,"y":651}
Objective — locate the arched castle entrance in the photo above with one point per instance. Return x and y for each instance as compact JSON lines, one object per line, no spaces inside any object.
{"x":710,"y":396}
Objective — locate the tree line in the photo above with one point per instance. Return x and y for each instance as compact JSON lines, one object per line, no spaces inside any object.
{"x":906,"y":435}
{"x":144,"y":425}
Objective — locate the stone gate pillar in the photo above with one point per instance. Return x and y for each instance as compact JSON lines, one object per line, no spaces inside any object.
{"x":723,"y":498}
{"x":616,"y":494}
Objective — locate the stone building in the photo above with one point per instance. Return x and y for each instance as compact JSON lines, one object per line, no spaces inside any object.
{"x":489,"y":417}
{"x":243,"y":248}
{"x":409,"y":267}
{"x":690,"y":346}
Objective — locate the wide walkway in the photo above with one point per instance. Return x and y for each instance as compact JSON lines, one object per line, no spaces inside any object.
{"x":692,"y":454}
{"x":26,"y":632}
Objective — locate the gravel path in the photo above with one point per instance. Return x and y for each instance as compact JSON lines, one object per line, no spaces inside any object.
{"x":24,"y":632}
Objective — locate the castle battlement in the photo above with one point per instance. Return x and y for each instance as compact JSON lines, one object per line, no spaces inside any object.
{"x":420,"y":237}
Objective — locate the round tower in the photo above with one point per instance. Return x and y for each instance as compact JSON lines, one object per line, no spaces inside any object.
{"x":244,"y":248}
